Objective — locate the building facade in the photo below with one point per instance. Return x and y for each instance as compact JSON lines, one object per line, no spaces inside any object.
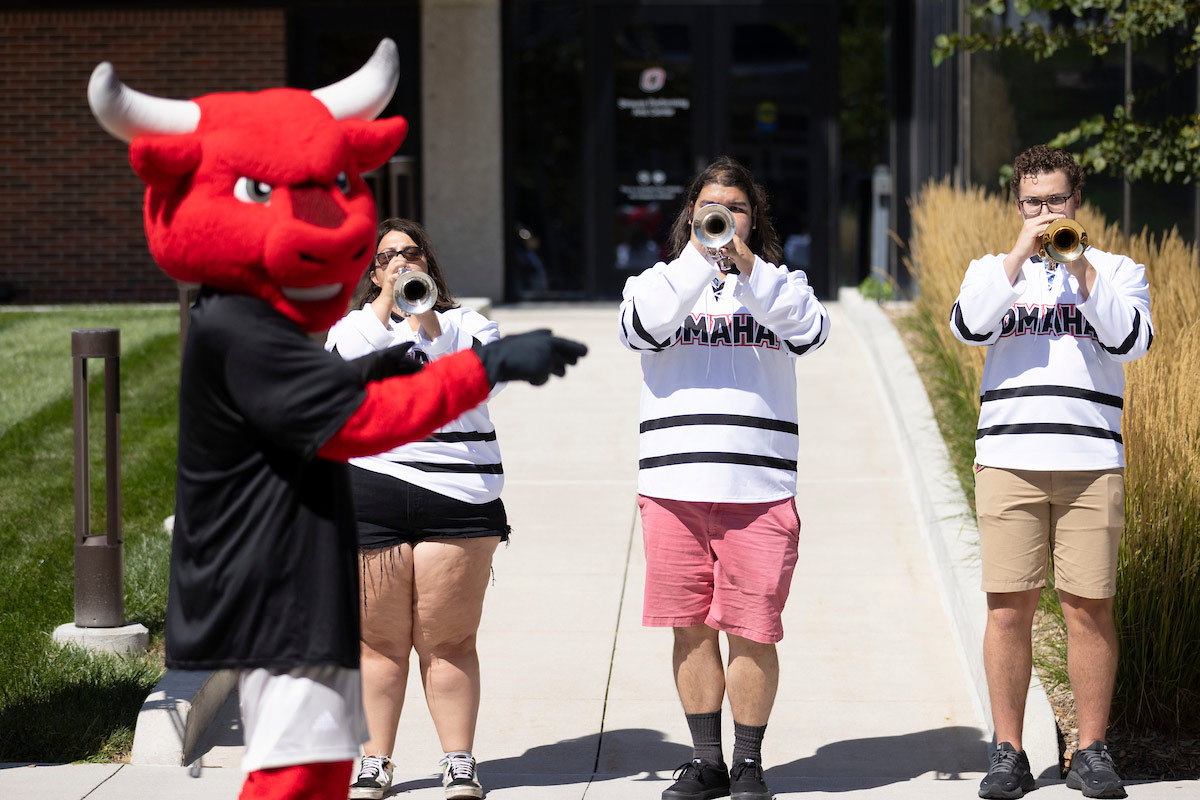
{"x":551,"y":140}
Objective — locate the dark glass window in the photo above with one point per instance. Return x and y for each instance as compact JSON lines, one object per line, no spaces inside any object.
{"x":544,"y":146}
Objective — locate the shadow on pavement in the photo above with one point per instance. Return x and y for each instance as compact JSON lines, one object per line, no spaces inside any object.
{"x":613,"y":754}
{"x":880,"y":761}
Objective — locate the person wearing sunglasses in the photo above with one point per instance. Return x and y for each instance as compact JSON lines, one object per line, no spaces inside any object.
{"x":429,"y":519}
{"x":1049,"y":460}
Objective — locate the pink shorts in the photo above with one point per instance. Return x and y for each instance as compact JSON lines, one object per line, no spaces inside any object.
{"x":725,"y":565}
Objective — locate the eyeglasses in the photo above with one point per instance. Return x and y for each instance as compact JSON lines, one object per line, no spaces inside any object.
{"x":1033,"y":205}
{"x":410,"y":253}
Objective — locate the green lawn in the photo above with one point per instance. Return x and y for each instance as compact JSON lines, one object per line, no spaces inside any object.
{"x":61,"y":704}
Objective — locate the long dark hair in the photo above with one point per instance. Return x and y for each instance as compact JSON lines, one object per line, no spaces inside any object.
{"x":368,"y":290}
{"x":726,"y":171}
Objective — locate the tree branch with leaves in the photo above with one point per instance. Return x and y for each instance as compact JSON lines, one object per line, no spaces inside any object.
{"x":1163,"y":151}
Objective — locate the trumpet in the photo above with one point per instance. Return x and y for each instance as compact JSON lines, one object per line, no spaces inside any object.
{"x":713,"y":227}
{"x":1063,"y":241}
{"x":414,"y":292}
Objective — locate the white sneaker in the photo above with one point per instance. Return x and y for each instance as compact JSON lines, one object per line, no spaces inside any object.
{"x":459,"y":777}
{"x":374,"y":778}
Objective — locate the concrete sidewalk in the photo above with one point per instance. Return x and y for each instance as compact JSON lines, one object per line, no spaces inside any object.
{"x":879,"y":697}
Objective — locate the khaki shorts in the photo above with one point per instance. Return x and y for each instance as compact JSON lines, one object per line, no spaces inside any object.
{"x":1027,"y":517}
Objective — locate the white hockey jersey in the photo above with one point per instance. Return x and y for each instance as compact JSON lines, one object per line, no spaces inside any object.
{"x":718,"y":406}
{"x":1053,"y":383}
{"x":460,"y":460}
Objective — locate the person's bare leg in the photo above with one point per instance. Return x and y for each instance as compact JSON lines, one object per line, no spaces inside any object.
{"x":1008,"y":659}
{"x":699,"y":673}
{"x":1091,"y":661}
{"x":386,"y":613}
{"x":751,"y":680}
{"x":451,"y":578}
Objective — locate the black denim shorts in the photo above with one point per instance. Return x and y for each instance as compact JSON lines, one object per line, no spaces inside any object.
{"x":390,"y":511}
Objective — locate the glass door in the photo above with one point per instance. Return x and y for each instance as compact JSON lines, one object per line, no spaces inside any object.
{"x":615,"y":106}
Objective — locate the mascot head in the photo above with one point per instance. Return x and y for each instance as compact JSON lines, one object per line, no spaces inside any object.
{"x":261,"y":193}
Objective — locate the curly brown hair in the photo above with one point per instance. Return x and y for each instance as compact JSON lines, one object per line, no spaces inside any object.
{"x":726,"y":171}
{"x":368,"y":290}
{"x":1041,"y":160}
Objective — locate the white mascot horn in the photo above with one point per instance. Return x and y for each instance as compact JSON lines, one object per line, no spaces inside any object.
{"x":126,"y":113}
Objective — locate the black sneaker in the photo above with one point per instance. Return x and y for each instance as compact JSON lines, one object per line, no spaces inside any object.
{"x":699,"y":779}
{"x":746,"y":782}
{"x":1093,"y":772}
{"x":1008,"y":777}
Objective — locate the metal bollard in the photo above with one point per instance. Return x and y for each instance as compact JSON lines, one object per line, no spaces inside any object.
{"x":99,"y":562}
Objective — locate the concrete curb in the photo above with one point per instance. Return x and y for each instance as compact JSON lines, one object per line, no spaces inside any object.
{"x":945,"y":520}
{"x":176,"y":715}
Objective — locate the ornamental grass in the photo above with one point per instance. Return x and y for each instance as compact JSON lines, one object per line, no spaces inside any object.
{"x":1158,"y":575}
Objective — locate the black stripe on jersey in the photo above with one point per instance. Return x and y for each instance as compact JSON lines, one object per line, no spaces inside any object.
{"x":1049,"y":427}
{"x":465,"y":436}
{"x":957,"y":318}
{"x":717,"y":458}
{"x":474,"y":469}
{"x":1127,"y":345}
{"x":1054,"y":391}
{"x":641,"y":331}
{"x":816,"y":342}
{"x":719,"y":419}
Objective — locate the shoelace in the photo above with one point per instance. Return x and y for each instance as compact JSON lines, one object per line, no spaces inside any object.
{"x":459,"y":767}
{"x":1097,"y":760}
{"x":372,"y":766}
{"x":690,"y":769}
{"x":1003,"y":761}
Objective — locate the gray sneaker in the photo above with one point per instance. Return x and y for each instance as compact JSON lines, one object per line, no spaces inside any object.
{"x":1009,"y":776}
{"x":1093,"y":772}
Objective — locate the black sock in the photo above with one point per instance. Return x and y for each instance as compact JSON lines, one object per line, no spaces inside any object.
{"x":747,"y":742}
{"x":706,"y":736}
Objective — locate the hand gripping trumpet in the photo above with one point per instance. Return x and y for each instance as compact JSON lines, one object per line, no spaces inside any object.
{"x":414,"y":292}
{"x":1063,"y":241}
{"x":713,"y":227}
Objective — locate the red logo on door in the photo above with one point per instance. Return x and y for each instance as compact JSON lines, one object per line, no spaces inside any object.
{"x":652,"y":79}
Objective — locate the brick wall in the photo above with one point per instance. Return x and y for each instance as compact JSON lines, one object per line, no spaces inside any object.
{"x":70,"y":205}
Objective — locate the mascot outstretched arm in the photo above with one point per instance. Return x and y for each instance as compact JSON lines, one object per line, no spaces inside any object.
{"x":259,"y":198}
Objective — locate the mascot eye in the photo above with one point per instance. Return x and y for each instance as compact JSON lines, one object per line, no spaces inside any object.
{"x":249,"y":190}
{"x":343,"y":182}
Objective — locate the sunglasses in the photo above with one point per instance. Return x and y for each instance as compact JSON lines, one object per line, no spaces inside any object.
{"x":410,"y":253}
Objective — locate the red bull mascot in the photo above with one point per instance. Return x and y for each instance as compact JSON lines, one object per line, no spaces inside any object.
{"x":259,"y":198}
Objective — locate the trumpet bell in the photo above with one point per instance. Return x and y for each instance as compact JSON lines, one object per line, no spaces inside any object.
{"x":415,"y":292}
{"x":1064,"y":241}
{"x":713,"y":226}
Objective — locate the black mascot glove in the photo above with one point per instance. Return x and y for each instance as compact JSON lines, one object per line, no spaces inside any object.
{"x":386,"y":363}
{"x":532,"y":357}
